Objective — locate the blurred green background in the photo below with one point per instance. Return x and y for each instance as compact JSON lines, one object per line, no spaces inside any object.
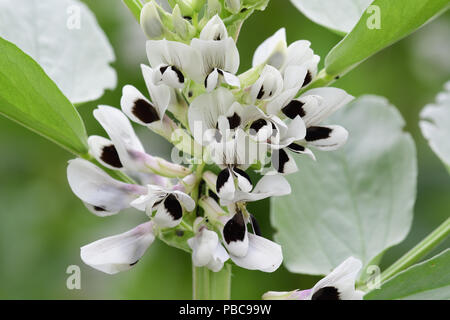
{"x":43,"y":225}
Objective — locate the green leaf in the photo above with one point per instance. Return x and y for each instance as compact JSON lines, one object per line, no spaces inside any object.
{"x":63,"y":36}
{"x":338,"y":15}
{"x":397,"y":19}
{"x":435,"y":125}
{"x":356,"y":201}
{"x":29,"y":97}
{"x":429,"y":280}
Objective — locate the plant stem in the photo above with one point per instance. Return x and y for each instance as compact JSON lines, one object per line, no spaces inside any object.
{"x":420,"y":250}
{"x":209,"y":285}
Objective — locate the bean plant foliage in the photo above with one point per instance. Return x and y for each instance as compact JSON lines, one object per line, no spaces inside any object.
{"x":340,"y":172}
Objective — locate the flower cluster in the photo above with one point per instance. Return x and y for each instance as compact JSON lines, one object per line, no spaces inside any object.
{"x":225,"y":124}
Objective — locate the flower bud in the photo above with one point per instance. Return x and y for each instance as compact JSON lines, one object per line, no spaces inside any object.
{"x":151,"y":22}
{"x":214,"y":7}
{"x":182,"y":27}
{"x":234,"y":6}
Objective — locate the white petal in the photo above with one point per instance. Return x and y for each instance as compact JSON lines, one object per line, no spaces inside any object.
{"x":95,"y":187}
{"x":294,"y":77}
{"x":283,"y":162}
{"x":243,"y":180}
{"x":214,"y":30}
{"x":296,"y":131}
{"x":269,"y":84}
{"x":220,"y":256}
{"x":121,"y":252}
{"x":104,"y":151}
{"x":299,"y":53}
{"x":137,"y":107}
{"x":236,"y":236}
{"x":205,"y":110}
{"x":225,"y":184}
{"x":99,"y":212}
{"x":343,"y":278}
{"x":263,"y":255}
{"x":122,"y":134}
{"x":231,"y":79}
{"x":187,"y":202}
{"x":272,"y":51}
{"x":331,"y":99}
{"x":326,"y":138}
{"x":222,"y":55}
{"x":212,"y":80}
{"x":173,"y":53}
{"x":148,"y":200}
{"x":161,"y":95}
{"x":203,"y":246}
{"x":297,"y":148}
{"x":169,"y":213}
{"x":268,"y":186}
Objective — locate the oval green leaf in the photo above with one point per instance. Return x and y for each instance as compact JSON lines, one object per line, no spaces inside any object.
{"x":429,"y":280}
{"x":356,"y":201}
{"x":29,"y":97}
{"x":388,"y":22}
{"x":337,"y":15}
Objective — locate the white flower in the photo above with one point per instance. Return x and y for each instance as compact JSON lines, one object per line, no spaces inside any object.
{"x":125,"y":150}
{"x":171,"y":61}
{"x":269,"y":84}
{"x":214,"y":30}
{"x":141,"y":110}
{"x":207,"y":251}
{"x":275,"y":52}
{"x":102,"y":194}
{"x":250,"y":250}
{"x":121,"y":252}
{"x":219,"y":55}
{"x":167,"y":203}
{"x":337,"y":285}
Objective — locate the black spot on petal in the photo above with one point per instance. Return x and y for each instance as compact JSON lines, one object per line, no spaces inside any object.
{"x":234,"y":229}
{"x":110,"y":156}
{"x":213,"y":195}
{"x":308,"y":79}
{"x":222,"y":178}
{"x":163,"y":69}
{"x":260,"y":93}
{"x":134,"y":263}
{"x":258,"y":124}
{"x":294,"y":109}
{"x":280,"y":160}
{"x":296,"y":147}
{"x":179,"y":74}
{"x":144,"y":111}
{"x":317,"y":133}
{"x":243,"y":174}
{"x":99,"y":209}
{"x":220,"y":72}
{"x":255,"y":225}
{"x":173,"y":207}
{"x":234,"y":121}
{"x":326,"y":293}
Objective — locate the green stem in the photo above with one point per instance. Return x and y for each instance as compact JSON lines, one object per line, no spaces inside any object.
{"x":419,"y":251}
{"x":135,"y":7}
{"x":209,"y":285}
